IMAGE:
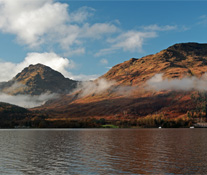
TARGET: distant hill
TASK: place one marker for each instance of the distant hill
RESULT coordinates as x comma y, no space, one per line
7,108
175,62
38,79
11,114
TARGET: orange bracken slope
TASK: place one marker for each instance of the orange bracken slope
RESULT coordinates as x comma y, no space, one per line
132,99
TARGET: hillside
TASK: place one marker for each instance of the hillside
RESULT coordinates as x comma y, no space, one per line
10,115
38,79
177,61
8,108
129,97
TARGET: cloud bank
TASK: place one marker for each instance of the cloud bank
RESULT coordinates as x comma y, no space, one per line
186,84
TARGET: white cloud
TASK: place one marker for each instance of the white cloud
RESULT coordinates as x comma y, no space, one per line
105,51
128,41
97,30
81,14
155,27
51,23
104,61
38,22
189,83
203,20
82,77
132,40
31,20
51,59
74,36
78,51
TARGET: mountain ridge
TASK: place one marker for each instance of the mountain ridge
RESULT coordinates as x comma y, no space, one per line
176,62
126,96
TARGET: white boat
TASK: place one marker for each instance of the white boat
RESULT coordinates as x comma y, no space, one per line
192,127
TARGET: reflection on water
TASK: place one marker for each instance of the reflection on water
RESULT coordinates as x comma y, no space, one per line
103,151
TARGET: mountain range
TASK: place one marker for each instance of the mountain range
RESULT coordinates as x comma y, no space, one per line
130,96
158,84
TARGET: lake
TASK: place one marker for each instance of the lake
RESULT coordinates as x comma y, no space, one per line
103,151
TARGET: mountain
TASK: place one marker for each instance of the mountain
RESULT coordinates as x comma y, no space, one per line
38,79
177,61
129,98
123,94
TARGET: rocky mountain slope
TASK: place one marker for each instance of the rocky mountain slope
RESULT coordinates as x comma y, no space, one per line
177,61
129,97
123,93
38,79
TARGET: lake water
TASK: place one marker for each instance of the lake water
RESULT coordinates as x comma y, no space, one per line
103,151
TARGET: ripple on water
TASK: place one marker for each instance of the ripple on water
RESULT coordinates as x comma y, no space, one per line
121,151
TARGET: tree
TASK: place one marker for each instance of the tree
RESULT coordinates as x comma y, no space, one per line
200,100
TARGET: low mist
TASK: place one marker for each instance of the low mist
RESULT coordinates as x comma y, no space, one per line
100,85
15,86
94,87
27,101
189,83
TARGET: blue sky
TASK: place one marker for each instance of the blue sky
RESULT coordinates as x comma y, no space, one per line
83,39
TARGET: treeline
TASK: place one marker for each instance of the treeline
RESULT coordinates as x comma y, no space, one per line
155,122
164,122
42,121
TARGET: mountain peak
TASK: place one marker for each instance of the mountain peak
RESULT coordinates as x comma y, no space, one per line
37,70
189,48
184,45
37,79
38,64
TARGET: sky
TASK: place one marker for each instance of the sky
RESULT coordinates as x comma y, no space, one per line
84,39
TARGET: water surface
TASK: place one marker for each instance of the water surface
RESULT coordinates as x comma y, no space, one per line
103,151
